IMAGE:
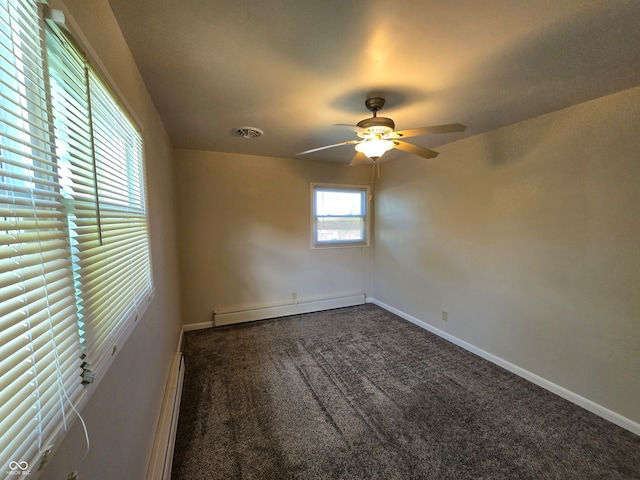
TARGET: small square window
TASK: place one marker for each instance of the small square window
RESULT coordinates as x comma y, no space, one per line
339,216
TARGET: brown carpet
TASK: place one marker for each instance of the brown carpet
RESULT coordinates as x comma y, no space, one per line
358,393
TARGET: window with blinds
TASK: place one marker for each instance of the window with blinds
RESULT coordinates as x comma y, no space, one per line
74,251
102,181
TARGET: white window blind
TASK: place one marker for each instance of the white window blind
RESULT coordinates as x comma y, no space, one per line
102,174
40,362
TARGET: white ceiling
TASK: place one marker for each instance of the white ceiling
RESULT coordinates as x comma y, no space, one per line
294,68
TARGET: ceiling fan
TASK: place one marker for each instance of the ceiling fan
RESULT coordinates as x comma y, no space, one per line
378,136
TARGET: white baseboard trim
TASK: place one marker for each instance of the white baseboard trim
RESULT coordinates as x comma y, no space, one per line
197,326
585,403
191,326
164,441
274,310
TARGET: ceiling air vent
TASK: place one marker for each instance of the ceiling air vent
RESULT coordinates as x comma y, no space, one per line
248,132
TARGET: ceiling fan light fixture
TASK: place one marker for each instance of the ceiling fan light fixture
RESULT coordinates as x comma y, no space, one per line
374,149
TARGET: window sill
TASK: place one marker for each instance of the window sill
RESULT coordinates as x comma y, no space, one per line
326,246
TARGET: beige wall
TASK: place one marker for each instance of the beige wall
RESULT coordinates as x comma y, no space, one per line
529,237
244,233
123,411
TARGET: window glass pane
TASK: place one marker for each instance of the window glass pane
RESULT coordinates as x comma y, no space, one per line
340,229
330,202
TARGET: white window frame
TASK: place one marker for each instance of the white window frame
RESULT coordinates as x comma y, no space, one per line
364,191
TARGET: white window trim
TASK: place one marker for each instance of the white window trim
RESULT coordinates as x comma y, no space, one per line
367,216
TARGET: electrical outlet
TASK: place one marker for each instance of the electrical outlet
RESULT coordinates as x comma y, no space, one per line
294,295
445,315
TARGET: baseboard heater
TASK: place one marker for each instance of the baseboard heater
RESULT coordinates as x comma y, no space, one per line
162,453
282,309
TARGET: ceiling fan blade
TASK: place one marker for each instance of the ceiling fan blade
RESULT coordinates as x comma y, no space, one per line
415,149
350,142
414,132
354,128
360,159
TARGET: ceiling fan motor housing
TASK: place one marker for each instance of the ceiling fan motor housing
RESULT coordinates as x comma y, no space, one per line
377,125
